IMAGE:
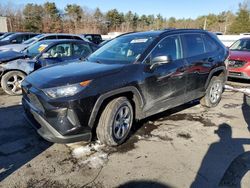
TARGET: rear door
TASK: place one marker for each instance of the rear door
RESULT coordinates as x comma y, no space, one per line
199,64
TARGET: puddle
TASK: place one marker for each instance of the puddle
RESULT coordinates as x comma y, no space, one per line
184,135
190,117
231,105
34,183
221,115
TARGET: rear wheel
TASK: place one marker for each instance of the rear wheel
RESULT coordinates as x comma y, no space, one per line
115,122
11,82
213,92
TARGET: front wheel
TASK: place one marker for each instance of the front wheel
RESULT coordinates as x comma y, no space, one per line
11,82
213,92
115,122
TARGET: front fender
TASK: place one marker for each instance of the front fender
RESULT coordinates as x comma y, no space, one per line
22,65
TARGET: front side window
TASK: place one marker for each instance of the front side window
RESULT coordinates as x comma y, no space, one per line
169,46
194,45
241,45
122,50
60,50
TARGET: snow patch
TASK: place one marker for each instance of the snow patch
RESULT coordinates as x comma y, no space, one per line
92,155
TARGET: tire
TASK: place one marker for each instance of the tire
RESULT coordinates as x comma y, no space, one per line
115,122
213,93
11,82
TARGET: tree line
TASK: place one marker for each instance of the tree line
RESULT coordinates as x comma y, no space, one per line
47,18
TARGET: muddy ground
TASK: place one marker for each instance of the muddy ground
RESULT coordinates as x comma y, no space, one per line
188,146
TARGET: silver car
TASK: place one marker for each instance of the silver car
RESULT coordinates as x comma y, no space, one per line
31,41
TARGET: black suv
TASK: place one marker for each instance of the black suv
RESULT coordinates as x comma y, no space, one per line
131,77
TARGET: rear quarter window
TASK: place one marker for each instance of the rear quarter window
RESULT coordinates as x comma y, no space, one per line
210,44
194,44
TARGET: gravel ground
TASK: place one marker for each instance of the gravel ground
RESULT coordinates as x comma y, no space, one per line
188,146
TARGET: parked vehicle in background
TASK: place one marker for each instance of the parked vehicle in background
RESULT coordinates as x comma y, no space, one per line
5,35
95,38
39,55
2,33
49,36
131,77
16,38
239,59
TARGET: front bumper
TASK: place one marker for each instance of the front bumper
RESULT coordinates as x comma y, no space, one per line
236,74
48,131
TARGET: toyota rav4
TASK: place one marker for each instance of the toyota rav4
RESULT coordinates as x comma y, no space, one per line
132,77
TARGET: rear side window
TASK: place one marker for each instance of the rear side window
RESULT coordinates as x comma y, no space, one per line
76,38
194,44
210,44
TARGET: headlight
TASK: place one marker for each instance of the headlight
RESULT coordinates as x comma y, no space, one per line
66,91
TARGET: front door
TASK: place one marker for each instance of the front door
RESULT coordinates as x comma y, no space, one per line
165,85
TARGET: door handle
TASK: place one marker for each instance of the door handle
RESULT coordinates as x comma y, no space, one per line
210,59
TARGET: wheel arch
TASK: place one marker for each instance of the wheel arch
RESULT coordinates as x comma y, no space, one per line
130,92
9,70
218,71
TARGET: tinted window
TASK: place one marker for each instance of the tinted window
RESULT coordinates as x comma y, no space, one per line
194,44
210,44
64,37
81,50
170,46
21,38
50,37
76,38
60,50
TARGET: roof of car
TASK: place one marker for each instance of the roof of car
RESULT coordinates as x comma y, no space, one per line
61,40
61,34
160,32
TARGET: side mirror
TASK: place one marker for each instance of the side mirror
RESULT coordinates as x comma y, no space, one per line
45,55
159,60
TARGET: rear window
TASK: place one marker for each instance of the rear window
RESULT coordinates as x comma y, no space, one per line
194,44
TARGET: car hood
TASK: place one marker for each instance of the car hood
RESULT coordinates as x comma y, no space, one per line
70,73
13,47
6,56
239,55
4,42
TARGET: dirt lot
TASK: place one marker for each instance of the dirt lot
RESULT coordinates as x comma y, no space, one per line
188,146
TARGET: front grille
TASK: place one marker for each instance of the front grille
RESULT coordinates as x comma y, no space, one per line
235,74
236,63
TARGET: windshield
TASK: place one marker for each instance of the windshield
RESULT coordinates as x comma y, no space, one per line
33,39
8,37
36,48
241,45
123,50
